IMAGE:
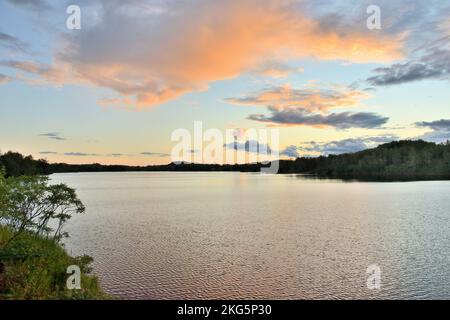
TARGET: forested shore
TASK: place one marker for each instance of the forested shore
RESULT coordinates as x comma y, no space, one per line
398,160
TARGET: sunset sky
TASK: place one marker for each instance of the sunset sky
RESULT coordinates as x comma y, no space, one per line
115,90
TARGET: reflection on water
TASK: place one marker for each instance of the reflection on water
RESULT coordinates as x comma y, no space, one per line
240,235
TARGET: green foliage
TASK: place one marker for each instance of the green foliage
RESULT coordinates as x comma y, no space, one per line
30,204
32,262
36,269
16,164
399,160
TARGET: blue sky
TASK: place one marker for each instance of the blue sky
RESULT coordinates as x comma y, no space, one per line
138,70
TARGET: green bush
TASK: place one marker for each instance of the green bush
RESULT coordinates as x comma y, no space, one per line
33,262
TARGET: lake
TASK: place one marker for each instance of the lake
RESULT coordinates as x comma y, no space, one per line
251,236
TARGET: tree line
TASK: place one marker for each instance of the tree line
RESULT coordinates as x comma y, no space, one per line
398,160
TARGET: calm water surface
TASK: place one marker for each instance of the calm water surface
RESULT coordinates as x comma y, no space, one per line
240,235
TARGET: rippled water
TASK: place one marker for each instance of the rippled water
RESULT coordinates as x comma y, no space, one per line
240,235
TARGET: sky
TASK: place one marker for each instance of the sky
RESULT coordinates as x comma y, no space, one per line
114,90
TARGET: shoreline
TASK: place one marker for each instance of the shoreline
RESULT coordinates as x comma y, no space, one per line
310,176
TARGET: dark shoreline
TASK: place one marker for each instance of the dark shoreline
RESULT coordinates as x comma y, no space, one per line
404,160
310,176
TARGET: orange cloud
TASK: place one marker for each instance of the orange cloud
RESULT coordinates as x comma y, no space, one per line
311,98
159,57
274,69
46,73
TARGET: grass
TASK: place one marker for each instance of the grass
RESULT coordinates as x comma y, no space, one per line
35,268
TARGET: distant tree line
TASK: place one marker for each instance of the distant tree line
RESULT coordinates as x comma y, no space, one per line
16,164
399,160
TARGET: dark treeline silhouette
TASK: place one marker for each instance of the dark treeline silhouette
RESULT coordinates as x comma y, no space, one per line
96,167
16,164
400,160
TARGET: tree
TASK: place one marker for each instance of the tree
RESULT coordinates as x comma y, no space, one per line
30,204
